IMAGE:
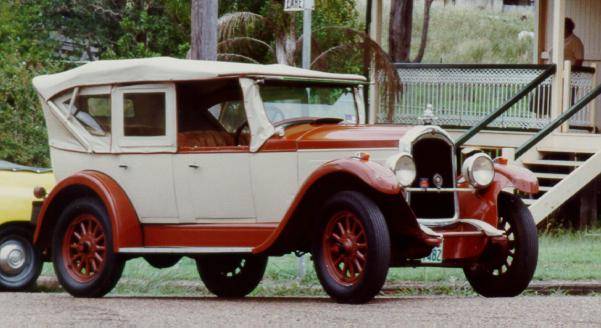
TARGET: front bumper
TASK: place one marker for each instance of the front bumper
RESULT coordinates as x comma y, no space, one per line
464,241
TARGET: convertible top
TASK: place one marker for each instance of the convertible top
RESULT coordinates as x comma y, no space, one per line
8,166
163,69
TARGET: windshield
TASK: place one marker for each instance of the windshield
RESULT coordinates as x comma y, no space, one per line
289,102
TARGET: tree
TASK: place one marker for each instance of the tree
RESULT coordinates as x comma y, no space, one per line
401,30
204,29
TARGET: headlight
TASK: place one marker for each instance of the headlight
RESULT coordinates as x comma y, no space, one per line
403,167
478,170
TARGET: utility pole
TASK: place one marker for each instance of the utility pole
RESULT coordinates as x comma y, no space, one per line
307,7
307,17
203,39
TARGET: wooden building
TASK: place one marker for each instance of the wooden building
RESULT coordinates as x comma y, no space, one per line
546,115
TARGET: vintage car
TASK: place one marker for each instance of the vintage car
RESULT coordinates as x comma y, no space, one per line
22,189
231,163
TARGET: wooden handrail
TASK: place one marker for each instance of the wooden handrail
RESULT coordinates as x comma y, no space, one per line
558,121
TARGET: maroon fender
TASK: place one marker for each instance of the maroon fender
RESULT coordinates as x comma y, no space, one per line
371,173
516,176
126,228
483,205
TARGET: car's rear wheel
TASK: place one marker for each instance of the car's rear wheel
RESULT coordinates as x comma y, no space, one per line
507,273
82,250
160,261
231,275
20,263
352,250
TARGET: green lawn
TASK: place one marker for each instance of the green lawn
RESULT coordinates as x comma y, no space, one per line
565,256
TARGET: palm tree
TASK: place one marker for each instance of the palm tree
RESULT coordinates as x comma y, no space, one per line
244,30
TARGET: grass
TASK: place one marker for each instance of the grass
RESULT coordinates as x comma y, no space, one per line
563,256
469,35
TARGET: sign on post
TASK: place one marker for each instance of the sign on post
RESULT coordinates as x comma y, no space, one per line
298,5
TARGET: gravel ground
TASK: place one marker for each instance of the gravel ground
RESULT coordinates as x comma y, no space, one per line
61,310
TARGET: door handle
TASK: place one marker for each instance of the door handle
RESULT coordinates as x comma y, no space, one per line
194,166
123,166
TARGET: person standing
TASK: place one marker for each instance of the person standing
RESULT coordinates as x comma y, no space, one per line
574,48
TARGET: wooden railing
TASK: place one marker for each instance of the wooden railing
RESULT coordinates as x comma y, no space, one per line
463,95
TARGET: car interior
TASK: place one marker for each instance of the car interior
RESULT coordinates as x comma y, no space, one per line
211,114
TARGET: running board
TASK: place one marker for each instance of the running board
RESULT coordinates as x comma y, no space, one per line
184,250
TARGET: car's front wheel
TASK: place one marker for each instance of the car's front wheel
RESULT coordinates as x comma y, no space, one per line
506,273
231,275
84,260
352,249
20,263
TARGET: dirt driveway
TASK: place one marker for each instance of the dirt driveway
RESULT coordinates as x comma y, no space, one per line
53,310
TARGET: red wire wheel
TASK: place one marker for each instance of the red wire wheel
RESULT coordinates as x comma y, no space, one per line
84,248
345,247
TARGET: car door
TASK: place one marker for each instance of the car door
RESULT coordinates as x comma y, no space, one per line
144,141
211,169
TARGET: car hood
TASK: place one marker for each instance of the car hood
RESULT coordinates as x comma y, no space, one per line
323,136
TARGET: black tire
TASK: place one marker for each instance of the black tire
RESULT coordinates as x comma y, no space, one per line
162,261
77,282
20,261
354,277
231,275
507,274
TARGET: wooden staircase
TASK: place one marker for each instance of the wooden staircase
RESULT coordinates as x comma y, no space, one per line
561,174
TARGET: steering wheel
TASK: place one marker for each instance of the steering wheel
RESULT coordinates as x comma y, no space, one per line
239,132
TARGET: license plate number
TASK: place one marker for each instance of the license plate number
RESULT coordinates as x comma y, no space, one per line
435,256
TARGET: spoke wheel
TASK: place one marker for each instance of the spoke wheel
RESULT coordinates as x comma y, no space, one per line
345,247
84,247
351,249
500,265
506,272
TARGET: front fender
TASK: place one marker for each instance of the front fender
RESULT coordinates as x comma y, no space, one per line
508,175
125,225
371,173
483,204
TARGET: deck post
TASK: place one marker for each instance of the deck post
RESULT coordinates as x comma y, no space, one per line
588,205
567,93
593,111
558,56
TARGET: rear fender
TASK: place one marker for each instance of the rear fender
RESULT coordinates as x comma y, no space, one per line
125,225
483,204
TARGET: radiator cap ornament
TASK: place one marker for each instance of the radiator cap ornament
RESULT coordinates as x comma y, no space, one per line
427,117
437,180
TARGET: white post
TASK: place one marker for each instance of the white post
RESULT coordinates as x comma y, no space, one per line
558,56
307,17
567,92
374,88
593,108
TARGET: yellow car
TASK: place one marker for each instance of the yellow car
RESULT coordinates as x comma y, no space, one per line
20,261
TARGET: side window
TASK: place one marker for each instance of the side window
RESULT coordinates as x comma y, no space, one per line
211,114
230,115
144,114
94,113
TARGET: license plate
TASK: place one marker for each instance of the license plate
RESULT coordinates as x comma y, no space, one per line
435,256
